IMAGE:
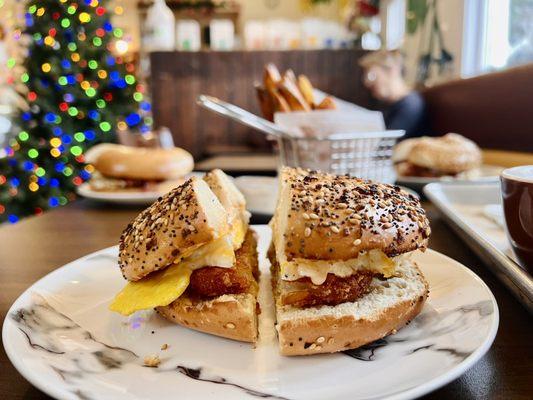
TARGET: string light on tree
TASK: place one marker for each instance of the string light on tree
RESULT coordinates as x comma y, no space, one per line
122,47
78,94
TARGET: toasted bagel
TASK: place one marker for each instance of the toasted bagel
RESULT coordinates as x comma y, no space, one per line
182,220
140,163
449,154
325,217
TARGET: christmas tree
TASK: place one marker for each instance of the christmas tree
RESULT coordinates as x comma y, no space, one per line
78,94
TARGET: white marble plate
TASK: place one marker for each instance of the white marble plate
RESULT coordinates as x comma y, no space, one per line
261,193
61,337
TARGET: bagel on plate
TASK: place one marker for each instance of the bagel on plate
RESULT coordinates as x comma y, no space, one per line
342,275
448,155
126,168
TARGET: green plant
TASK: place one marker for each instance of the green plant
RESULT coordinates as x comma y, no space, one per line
422,15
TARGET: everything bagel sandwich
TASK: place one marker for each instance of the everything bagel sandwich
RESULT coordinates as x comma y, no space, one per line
341,271
192,257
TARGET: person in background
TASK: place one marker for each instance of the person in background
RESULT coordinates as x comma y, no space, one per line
384,77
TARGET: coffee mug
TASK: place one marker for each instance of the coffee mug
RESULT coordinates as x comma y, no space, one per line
517,194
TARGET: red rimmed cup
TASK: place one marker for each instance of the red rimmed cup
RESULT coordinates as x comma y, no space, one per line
517,194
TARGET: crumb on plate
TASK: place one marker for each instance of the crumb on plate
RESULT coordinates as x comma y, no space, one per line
152,361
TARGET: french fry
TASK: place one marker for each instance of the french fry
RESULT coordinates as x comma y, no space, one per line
305,86
327,104
266,102
271,76
280,104
285,93
294,97
290,76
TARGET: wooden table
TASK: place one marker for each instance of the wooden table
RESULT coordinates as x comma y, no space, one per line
38,245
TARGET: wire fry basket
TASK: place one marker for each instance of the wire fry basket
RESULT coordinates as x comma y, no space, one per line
365,155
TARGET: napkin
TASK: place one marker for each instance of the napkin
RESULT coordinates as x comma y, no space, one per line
346,119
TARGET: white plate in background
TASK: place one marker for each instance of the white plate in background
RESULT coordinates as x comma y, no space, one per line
486,174
260,192
70,346
132,197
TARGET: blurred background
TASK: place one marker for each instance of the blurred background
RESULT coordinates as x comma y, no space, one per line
77,73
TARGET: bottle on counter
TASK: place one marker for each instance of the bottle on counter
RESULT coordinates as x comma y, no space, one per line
159,32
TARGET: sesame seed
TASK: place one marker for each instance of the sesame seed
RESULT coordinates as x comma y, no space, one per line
307,232
314,216
305,216
357,242
321,339
313,346
335,229
230,325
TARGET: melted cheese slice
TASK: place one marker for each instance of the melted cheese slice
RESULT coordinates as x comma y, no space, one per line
163,287
318,270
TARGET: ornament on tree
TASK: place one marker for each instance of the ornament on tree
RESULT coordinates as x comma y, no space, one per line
78,94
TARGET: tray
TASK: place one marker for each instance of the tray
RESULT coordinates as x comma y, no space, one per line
464,208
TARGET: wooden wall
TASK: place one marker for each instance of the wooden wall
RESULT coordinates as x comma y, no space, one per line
179,77
494,110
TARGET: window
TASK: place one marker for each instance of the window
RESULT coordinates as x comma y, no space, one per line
497,34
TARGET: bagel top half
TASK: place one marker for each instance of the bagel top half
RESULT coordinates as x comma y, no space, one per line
326,217
179,222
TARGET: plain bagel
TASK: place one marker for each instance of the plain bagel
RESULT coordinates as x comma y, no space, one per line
450,154
140,163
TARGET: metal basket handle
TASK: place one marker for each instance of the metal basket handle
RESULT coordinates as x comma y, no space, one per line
242,116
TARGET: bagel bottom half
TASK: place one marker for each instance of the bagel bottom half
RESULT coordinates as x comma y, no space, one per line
390,305
232,316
